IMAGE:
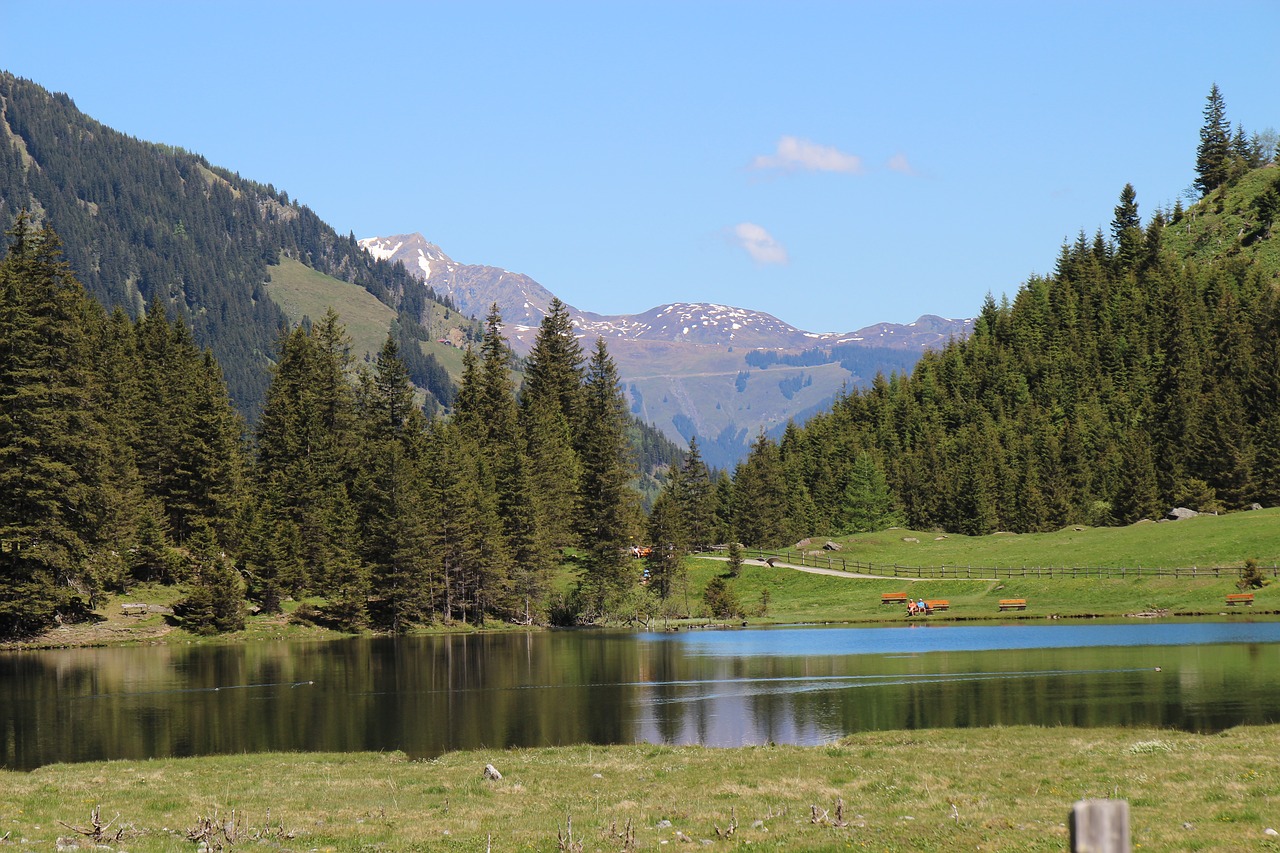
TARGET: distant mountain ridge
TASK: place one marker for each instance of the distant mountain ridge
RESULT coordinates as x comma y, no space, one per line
717,372
524,302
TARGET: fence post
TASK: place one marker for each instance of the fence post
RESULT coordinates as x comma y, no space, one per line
1100,826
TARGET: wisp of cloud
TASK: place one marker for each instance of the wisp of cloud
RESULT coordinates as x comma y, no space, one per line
759,244
794,153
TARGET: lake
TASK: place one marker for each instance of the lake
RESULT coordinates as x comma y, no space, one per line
801,685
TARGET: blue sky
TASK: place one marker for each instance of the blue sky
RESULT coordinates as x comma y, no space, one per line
833,164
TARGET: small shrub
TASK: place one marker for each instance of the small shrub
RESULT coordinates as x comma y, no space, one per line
720,601
1251,575
306,613
735,559
566,609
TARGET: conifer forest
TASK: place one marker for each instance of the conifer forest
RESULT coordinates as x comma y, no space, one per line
265,462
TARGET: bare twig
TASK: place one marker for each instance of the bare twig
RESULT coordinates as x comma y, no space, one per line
733,824
98,829
565,841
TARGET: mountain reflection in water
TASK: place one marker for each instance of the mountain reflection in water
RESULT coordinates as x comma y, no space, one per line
427,695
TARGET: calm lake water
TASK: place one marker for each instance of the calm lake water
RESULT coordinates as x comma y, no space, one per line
427,695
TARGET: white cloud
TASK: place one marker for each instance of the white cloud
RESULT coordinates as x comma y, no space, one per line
759,244
899,163
794,153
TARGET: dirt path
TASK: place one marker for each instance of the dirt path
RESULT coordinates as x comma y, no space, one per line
835,573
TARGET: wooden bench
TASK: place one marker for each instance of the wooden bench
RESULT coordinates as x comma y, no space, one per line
893,598
1235,598
1013,604
933,604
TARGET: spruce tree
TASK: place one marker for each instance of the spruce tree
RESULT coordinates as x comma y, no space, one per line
868,503
760,496
551,418
695,498
307,441
394,533
1126,230
1213,155
554,468
215,602
53,446
469,563
555,368
189,451
668,543
608,509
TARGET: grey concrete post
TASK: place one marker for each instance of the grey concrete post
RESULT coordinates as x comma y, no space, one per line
1100,826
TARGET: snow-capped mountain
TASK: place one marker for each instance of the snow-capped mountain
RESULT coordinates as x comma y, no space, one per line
691,369
474,288
524,302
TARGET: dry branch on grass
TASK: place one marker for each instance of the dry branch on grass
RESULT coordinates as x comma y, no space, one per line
565,839
733,824
823,816
627,836
97,830
214,832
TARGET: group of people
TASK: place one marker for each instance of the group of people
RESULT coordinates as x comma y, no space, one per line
917,608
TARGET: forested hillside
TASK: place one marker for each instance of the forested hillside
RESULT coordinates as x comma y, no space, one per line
122,462
1144,373
143,223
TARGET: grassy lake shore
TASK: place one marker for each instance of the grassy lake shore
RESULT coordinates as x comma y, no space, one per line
986,789
789,596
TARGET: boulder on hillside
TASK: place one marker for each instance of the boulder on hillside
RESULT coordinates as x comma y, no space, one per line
1180,512
1255,506
832,546
805,543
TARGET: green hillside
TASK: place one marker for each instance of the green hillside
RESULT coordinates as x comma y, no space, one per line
144,223
1226,225
1140,375
302,292
1206,540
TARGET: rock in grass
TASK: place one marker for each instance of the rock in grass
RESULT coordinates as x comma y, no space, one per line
491,772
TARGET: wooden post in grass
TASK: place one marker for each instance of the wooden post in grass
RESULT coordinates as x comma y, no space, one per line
1100,826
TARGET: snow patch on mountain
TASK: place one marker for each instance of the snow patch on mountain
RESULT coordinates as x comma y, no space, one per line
523,303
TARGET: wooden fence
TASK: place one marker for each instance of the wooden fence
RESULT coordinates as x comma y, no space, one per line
833,561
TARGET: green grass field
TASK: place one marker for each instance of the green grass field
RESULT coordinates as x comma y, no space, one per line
1001,789
301,291
1225,540
1205,542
